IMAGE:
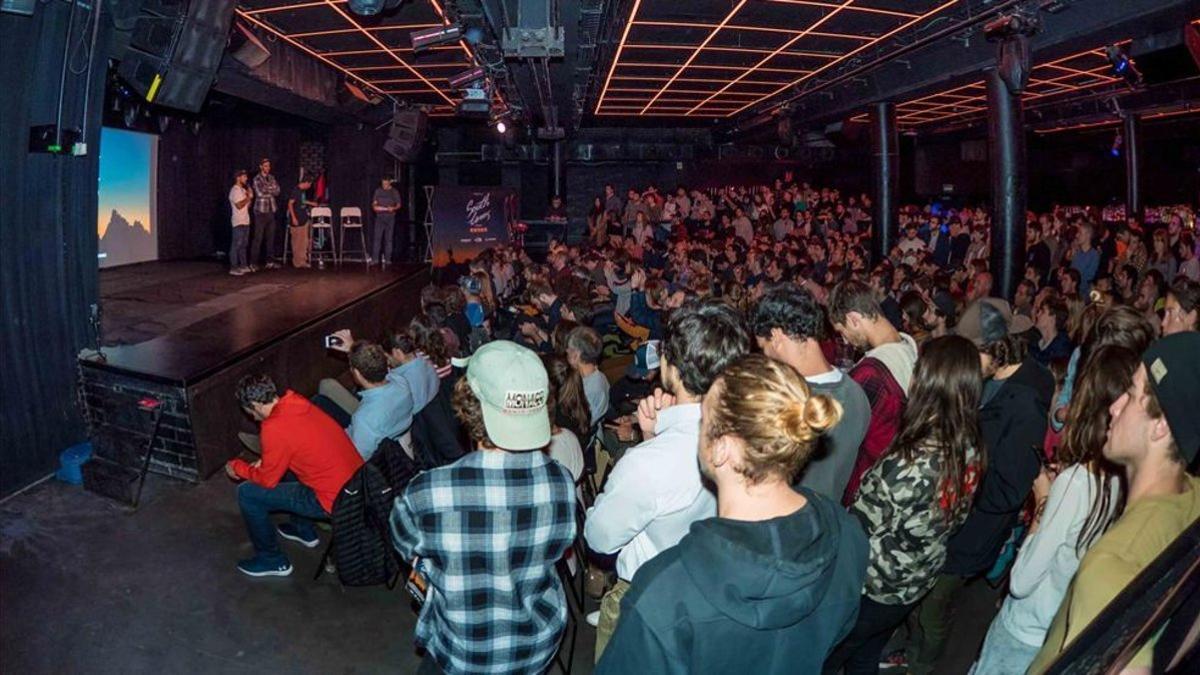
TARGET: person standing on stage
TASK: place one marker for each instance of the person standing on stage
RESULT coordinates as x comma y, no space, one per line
266,189
385,203
240,196
297,206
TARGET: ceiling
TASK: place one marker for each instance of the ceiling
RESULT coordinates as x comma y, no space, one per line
716,58
374,52
1074,75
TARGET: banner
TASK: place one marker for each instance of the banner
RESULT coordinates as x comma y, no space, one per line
467,220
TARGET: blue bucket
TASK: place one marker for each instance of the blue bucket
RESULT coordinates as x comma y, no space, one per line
71,461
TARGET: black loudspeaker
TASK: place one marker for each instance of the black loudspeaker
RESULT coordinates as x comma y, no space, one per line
407,135
175,50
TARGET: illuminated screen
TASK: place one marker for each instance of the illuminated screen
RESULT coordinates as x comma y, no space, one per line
125,221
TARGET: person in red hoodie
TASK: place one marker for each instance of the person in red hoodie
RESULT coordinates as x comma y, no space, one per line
299,438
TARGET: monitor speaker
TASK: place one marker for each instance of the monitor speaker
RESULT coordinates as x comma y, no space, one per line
246,48
175,50
407,135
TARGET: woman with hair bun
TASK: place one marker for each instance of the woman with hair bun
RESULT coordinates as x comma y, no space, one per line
771,583
916,496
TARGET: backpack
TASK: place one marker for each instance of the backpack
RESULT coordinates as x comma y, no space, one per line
362,546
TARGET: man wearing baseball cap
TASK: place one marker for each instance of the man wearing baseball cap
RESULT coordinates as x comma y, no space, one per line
486,531
1154,434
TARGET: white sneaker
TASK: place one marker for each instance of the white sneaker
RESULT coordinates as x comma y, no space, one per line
593,618
236,272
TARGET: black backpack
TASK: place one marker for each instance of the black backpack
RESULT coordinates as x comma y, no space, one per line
362,546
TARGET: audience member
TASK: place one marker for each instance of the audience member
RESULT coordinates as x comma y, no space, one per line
1153,436
583,352
486,531
915,497
306,459
654,493
788,325
771,583
1181,311
884,372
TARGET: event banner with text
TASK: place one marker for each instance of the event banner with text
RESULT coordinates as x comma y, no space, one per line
467,220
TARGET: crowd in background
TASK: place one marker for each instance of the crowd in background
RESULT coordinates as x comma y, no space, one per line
776,455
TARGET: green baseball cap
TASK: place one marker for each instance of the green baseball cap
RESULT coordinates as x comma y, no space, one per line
512,387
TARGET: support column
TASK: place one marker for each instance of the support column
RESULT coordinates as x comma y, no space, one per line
885,161
1131,136
1006,150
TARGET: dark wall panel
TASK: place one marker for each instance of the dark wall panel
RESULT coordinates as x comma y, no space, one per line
48,266
195,172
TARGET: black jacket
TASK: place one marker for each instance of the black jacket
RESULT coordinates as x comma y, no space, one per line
1013,425
741,597
362,547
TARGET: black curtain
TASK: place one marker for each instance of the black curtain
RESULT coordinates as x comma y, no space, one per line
195,171
48,266
355,161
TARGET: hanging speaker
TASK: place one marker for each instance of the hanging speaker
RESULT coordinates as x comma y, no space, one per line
175,50
407,135
246,48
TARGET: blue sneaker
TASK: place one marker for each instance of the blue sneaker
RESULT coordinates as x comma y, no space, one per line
289,531
262,567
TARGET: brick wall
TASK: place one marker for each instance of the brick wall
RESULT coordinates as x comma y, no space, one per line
120,430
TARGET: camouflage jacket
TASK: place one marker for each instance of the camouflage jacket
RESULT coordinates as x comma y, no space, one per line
908,517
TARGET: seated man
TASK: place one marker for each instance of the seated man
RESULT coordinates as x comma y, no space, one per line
297,437
584,348
773,581
385,409
487,530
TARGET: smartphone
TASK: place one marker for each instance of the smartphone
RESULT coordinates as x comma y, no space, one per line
332,341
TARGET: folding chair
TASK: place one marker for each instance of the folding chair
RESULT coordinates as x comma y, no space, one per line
350,218
321,218
576,596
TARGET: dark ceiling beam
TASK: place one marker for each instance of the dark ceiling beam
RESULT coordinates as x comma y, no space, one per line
1082,25
1075,110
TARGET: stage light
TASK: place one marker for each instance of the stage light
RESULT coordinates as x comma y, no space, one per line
433,37
1123,66
467,78
1115,150
501,126
372,7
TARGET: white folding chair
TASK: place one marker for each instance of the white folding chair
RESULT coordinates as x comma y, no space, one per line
321,218
350,218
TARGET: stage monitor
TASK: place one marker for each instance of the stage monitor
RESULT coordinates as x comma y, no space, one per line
126,219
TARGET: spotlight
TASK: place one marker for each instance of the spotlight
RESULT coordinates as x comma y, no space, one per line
1115,150
1010,26
432,37
501,126
466,78
1123,66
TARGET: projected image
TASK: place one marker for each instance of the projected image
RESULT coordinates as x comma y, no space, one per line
125,219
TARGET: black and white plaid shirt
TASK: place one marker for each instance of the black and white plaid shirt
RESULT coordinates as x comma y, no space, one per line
266,189
488,530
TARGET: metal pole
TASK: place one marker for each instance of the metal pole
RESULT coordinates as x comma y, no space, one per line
1133,160
1006,149
885,160
558,167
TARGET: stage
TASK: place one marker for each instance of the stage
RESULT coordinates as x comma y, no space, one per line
183,333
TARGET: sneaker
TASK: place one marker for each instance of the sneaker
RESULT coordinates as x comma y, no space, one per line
272,266
261,567
236,272
593,618
370,261
289,531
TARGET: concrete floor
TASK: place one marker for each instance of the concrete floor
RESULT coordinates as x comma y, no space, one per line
88,586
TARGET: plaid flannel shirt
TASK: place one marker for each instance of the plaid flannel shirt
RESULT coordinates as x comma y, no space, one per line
266,189
488,530
887,399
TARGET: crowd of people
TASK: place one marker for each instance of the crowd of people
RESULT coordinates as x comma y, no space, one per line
778,456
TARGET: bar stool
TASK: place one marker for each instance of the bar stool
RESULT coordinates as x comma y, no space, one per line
321,218
351,219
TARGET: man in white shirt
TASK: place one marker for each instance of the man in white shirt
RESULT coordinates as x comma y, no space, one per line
654,493
240,196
